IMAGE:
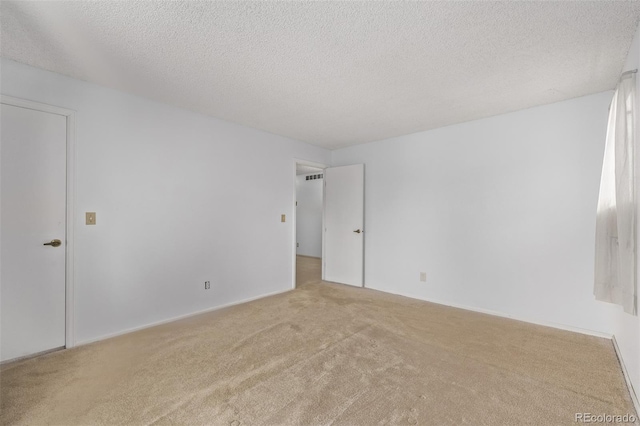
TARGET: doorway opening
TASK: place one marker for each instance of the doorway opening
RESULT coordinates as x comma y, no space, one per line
308,223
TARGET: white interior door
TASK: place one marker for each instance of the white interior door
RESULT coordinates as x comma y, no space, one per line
343,222
33,200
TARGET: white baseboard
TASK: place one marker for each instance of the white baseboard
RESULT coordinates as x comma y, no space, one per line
627,378
25,357
505,315
165,321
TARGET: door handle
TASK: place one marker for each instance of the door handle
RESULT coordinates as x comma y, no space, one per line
357,231
53,243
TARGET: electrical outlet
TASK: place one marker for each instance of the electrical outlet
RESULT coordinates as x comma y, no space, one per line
423,277
207,285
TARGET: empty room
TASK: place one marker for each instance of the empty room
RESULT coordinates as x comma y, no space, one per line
319,212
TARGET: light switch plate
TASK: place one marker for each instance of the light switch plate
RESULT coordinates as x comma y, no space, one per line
90,218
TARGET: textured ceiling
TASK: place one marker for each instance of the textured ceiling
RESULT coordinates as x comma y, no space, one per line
331,73
301,169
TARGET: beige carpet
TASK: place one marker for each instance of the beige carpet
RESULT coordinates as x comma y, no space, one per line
323,354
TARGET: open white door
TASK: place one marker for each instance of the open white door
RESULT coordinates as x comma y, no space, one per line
343,224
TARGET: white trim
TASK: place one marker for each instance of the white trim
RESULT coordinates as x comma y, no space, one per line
70,204
70,332
625,373
297,161
179,317
37,354
36,106
505,315
324,229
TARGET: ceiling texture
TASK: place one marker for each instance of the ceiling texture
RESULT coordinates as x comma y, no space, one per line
301,169
332,74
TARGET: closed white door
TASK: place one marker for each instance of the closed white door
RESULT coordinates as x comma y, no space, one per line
344,220
33,209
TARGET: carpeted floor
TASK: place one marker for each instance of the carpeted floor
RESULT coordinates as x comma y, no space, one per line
322,354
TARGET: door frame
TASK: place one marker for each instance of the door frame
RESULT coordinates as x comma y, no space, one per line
70,116
322,166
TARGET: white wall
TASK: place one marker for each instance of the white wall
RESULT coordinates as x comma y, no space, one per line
180,198
499,212
626,327
309,216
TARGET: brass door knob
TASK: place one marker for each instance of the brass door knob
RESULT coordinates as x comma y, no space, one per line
357,231
53,243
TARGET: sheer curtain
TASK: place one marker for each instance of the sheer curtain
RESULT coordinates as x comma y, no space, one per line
615,266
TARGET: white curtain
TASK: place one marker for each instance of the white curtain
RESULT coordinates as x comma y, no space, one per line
615,266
